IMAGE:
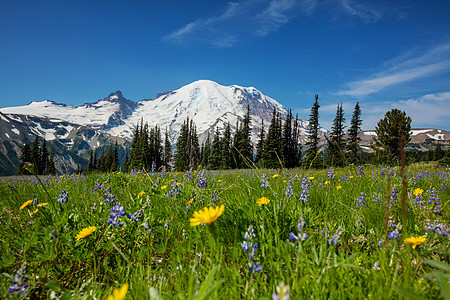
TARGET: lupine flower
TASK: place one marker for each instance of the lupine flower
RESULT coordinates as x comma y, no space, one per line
289,189
85,232
53,234
20,281
282,292
305,190
202,179
330,174
250,247
63,197
334,239
360,171
393,234
135,216
119,294
263,200
301,235
207,215
35,201
436,226
109,198
264,181
116,212
361,200
214,197
254,267
415,241
148,227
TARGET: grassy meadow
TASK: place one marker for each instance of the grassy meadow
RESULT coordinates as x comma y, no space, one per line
317,234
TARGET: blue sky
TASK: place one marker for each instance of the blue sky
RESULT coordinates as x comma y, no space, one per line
384,54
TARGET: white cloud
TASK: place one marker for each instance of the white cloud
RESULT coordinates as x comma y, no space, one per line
259,18
405,68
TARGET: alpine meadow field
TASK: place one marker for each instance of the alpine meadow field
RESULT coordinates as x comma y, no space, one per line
344,233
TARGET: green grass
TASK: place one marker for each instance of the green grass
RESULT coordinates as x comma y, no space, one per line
208,261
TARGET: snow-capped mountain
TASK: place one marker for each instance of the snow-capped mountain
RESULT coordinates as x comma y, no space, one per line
207,103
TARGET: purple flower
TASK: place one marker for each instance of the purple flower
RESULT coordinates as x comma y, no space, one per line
63,197
19,283
264,181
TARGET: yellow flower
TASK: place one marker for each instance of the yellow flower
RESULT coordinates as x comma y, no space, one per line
85,232
42,204
219,181
275,175
141,193
339,187
327,182
26,203
190,201
418,191
119,294
415,241
310,178
163,187
263,200
33,212
351,176
178,183
207,215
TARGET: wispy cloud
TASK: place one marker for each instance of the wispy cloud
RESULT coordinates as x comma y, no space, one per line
408,67
259,18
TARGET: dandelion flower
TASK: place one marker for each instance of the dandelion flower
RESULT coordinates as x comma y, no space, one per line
219,181
190,201
339,187
327,182
85,232
207,215
275,175
119,294
311,178
141,194
263,200
25,204
163,187
418,191
42,204
415,241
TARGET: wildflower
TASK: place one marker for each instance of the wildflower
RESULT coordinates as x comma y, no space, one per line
202,180
207,215
393,234
282,292
264,181
190,201
375,266
163,187
360,171
214,197
250,247
85,232
19,282
109,198
33,212
219,181
135,216
351,177
339,187
116,212
275,175
327,182
53,234
415,241
289,189
141,194
331,173
302,235
42,204
63,197
263,200
254,267
334,239
310,178
418,191
119,294
305,190
26,203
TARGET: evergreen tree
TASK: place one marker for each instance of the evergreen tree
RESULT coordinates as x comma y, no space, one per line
183,148
25,158
43,159
296,145
214,157
353,139
260,145
167,149
90,166
438,153
206,151
226,156
36,155
395,125
273,143
51,164
193,147
242,146
312,153
115,159
335,149
126,163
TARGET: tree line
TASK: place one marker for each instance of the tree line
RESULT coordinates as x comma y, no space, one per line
35,159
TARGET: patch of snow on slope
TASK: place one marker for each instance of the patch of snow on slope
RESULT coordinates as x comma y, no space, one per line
369,133
16,131
416,132
438,136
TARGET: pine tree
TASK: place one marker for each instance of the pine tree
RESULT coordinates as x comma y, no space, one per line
35,155
90,166
126,163
43,160
312,153
260,145
216,149
181,155
353,139
271,155
51,164
206,151
242,146
226,156
167,149
394,127
335,149
25,158
193,147
115,159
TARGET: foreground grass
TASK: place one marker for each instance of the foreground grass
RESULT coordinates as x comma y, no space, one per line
343,250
